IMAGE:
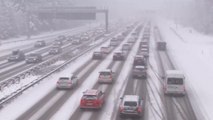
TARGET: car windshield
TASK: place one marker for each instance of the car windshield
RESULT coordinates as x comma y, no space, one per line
175,81
130,103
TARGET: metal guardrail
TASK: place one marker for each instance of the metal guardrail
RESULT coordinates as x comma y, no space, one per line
16,79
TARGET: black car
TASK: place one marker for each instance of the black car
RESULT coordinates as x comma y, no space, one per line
55,50
97,55
61,37
58,43
40,43
139,71
33,58
140,60
118,56
17,55
76,42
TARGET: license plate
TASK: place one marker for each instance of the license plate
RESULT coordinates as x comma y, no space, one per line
89,103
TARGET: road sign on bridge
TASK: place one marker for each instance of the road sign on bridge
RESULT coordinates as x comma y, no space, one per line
72,13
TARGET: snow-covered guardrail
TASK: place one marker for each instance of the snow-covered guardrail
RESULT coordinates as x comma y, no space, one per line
16,79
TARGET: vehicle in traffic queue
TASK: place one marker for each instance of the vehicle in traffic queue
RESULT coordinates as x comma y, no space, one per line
131,106
97,55
114,42
33,58
92,98
61,37
126,47
17,55
119,55
105,50
57,43
144,47
139,71
140,60
106,76
55,50
76,42
174,83
131,40
67,81
144,54
144,42
40,43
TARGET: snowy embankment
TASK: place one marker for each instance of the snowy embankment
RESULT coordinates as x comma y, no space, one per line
33,95
19,43
192,53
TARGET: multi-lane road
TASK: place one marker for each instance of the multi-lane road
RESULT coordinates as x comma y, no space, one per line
52,104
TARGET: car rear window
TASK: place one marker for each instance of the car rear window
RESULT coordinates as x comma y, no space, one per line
138,58
104,73
64,78
130,103
138,68
177,81
97,53
89,97
118,53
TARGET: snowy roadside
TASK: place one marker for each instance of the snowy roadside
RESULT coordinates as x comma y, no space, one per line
46,34
44,87
192,53
26,44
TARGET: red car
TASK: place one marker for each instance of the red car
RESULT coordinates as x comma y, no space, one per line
92,99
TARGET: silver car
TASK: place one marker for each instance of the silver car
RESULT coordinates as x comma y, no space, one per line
139,71
67,82
131,106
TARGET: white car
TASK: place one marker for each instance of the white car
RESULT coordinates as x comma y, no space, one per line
126,47
105,50
131,106
67,81
106,76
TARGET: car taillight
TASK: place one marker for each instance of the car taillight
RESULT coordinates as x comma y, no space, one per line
110,77
139,109
83,101
164,87
121,108
97,102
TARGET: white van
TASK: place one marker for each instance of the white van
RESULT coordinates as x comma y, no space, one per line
174,83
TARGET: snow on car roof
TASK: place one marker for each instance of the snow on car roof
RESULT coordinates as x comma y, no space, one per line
91,92
97,52
131,97
139,66
139,56
67,75
174,73
106,70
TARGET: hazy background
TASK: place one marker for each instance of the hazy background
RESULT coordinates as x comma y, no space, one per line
192,13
